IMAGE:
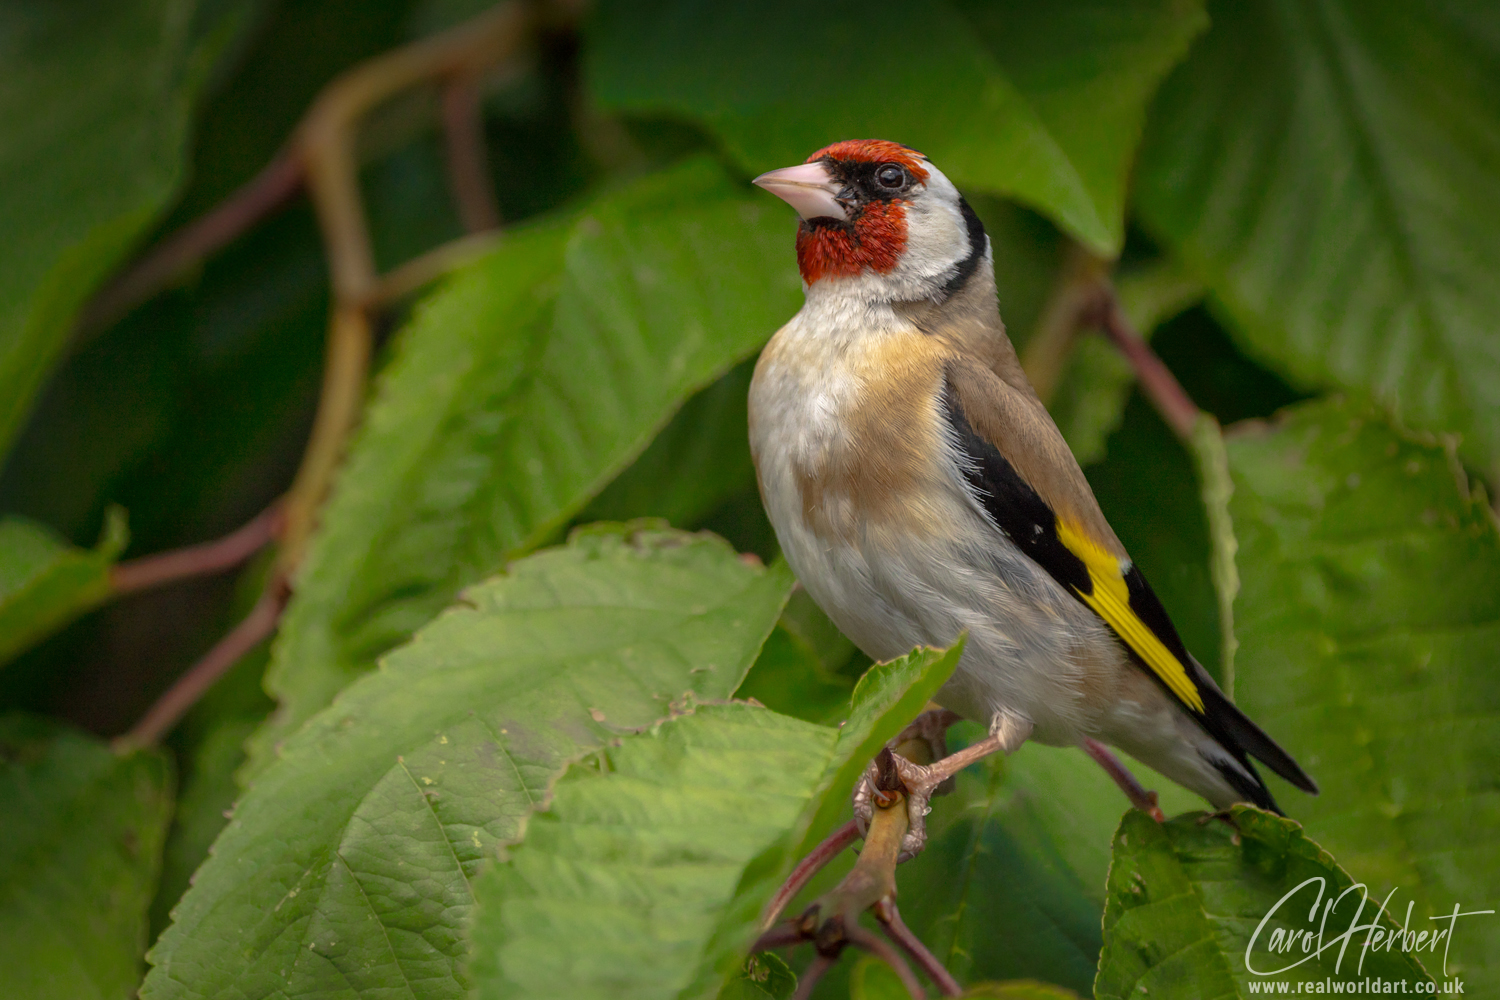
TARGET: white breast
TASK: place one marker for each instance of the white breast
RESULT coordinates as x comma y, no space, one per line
921,580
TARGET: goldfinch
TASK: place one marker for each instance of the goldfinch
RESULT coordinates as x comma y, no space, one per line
920,490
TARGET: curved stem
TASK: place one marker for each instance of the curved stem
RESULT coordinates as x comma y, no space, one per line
1075,296
865,941
198,560
348,359
184,694
468,162
896,929
1157,380
815,971
268,190
831,847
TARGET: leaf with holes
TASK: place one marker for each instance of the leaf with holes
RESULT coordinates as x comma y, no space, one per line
517,392
1368,618
1349,221
1043,102
347,864
79,851
648,874
1202,909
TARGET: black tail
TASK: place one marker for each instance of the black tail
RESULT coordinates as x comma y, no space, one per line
1238,735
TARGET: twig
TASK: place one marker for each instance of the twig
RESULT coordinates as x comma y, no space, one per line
468,164
272,187
348,360
399,282
198,560
185,692
1134,791
831,847
326,141
1156,379
896,929
814,973
865,941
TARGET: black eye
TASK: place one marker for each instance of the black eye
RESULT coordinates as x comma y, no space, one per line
891,176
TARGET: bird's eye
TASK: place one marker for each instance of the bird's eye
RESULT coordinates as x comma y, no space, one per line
891,176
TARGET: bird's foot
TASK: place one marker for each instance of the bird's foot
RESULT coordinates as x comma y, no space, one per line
920,782
1139,797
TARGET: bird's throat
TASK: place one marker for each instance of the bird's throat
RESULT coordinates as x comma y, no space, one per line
873,241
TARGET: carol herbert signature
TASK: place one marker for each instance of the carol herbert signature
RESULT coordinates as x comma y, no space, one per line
1313,940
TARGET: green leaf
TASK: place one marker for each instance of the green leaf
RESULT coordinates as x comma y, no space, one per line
788,678
1044,103
1089,404
619,887
1012,881
764,977
1368,619
46,583
96,98
516,394
649,873
1341,202
1187,915
347,863
79,850
203,809
698,461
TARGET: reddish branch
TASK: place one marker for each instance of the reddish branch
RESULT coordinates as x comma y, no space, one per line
816,860
1157,380
267,191
468,162
184,694
198,560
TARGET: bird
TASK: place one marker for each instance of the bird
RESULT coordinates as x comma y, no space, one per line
920,491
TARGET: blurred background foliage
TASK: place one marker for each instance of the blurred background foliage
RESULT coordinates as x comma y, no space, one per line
1298,201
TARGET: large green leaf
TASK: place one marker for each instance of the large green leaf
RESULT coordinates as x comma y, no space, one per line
1368,620
697,462
1331,169
618,888
1043,102
80,843
517,392
648,875
45,582
1199,909
96,98
346,866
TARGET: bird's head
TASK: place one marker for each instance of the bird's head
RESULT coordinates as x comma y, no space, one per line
879,216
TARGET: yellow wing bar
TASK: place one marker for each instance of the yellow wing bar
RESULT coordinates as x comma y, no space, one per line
1111,601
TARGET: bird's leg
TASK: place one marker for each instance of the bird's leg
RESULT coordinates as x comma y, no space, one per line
1007,732
1140,798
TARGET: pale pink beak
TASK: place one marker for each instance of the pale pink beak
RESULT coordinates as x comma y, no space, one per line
807,187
